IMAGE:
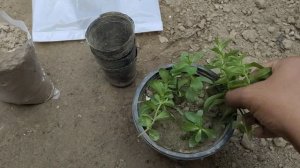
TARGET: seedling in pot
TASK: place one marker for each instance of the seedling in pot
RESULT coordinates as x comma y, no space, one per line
194,124
233,73
182,87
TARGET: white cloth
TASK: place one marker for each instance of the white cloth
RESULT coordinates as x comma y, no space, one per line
62,20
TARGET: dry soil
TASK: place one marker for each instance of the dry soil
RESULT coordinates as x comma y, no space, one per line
91,125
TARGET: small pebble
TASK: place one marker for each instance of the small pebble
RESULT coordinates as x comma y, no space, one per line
287,44
181,28
263,142
271,29
279,142
261,4
162,39
250,35
291,20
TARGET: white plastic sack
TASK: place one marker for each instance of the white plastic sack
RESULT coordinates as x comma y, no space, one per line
61,20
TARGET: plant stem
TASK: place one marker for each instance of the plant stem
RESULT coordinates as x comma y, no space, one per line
245,73
153,121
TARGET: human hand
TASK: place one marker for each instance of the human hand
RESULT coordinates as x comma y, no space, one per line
275,102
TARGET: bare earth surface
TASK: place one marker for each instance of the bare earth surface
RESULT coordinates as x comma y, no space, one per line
91,126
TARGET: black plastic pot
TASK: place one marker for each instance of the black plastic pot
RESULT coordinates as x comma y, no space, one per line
119,63
172,154
112,41
111,36
121,77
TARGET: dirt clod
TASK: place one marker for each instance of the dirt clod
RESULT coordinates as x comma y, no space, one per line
291,20
261,4
162,39
263,142
287,44
250,35
279,142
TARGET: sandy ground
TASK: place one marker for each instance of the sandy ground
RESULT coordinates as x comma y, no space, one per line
91,126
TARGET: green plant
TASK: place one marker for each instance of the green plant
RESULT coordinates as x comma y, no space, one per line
233,73
194,124
182,83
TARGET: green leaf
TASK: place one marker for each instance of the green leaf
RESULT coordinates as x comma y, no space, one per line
198,136
191,95
255,65
209,133
157,86
145,108
173,83
222,80
154,103
157,97
196,83
178,68
153,134
190,70
209,102
165,75
189,127
217,51
206,80
169,103
233,54
170,95
184,55
182,82
163,115
215,103
260,74
192,142
194,118
145,121
234,70
222,44
237,84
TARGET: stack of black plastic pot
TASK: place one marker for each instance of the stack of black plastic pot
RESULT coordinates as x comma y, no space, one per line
112,41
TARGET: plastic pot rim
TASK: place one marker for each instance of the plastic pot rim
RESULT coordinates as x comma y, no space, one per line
98,20
228,132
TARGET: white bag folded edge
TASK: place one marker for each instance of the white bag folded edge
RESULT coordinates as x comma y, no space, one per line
51,26
54,36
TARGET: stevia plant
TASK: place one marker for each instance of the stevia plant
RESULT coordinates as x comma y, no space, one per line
233,73
182,83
